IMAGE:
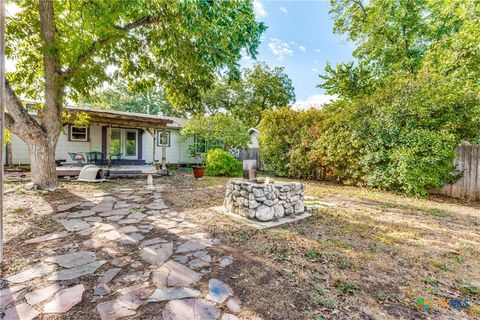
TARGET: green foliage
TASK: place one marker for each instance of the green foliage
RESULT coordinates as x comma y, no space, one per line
219,130
222,163
179,44
260,88
403,107
401,137
285,142
121,97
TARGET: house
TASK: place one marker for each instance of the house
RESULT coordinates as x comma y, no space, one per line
123,138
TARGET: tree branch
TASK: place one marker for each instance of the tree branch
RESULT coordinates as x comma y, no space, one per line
17,119
98,44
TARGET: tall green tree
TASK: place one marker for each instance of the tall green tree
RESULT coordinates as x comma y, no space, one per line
260,88
121,97
63,48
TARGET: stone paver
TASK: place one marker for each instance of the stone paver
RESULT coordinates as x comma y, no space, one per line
92,244
65,207
174,274
118,228
72,260
109,275
193,245
39,295
77,272
8,295
65,299
110,310
165,294
157,254
225,261
47,237
234,304
189,309
111,235
81,214
21,311
218,291
39,270
74,224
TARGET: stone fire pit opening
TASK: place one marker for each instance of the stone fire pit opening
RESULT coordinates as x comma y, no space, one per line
264,201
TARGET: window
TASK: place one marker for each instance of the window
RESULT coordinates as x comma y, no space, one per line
160,138
78,133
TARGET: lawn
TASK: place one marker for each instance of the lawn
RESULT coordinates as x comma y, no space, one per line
364,255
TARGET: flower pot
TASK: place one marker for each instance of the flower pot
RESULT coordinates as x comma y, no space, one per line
158,166
198,172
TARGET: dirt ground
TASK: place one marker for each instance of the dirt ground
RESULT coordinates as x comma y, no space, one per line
364,255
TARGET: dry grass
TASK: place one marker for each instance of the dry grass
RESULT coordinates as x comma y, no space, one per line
371,256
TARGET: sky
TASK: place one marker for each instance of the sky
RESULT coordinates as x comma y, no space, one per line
300,38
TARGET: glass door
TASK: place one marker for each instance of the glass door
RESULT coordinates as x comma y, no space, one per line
131,144
116,142
124,142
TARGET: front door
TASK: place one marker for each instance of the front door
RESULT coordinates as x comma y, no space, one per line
124,141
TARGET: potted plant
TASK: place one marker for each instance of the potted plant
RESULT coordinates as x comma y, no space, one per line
199,168
158,165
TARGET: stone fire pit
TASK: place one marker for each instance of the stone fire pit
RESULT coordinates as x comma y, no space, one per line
264,202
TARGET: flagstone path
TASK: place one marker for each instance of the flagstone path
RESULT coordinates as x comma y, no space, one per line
136,250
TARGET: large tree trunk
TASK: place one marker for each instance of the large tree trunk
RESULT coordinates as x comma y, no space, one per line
42,163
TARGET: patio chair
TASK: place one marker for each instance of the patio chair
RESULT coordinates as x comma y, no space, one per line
94,157
78,157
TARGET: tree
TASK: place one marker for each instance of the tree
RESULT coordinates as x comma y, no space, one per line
260,88
219,130
63,48
122,98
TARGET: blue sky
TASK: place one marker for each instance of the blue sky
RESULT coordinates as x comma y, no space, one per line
300,38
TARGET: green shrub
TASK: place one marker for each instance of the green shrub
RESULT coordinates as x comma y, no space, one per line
222,163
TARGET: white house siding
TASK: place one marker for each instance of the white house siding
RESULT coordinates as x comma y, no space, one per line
20,150
177,152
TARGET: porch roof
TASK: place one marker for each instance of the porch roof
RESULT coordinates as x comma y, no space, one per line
123,119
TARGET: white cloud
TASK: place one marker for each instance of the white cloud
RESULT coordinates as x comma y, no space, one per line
284,10
317,50
315,70
279,48
302,48
315,61
316,101
259,9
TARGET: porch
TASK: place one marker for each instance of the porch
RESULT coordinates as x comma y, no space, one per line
115,138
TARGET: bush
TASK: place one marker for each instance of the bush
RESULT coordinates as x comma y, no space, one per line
222,163
401,137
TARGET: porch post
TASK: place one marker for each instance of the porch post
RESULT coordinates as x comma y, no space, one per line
109,143
164,148
154,136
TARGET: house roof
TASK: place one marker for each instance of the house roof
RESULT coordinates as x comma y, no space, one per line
121,118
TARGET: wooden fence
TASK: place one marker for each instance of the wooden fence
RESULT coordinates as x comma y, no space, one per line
251,154
467,163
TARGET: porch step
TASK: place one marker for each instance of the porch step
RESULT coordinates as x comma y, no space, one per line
127,162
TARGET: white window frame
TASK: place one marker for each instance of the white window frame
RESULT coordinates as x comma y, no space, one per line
159,140
78,140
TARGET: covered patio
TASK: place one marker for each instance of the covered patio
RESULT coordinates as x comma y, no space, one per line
119,137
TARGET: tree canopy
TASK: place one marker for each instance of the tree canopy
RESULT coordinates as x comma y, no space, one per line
122,98
260,88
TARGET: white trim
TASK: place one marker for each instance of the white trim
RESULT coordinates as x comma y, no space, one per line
78,140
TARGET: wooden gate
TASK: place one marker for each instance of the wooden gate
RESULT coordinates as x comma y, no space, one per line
467,163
